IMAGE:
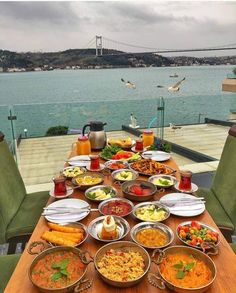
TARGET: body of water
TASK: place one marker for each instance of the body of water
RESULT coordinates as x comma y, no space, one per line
73,97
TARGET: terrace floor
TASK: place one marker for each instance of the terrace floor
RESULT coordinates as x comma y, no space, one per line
41,158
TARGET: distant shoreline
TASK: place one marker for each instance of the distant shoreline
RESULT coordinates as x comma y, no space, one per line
118,67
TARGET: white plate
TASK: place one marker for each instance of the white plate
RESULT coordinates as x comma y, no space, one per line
73,217
102,166
184,210
194,188
158,156
80,161
69,191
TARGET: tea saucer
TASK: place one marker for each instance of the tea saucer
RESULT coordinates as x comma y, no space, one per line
102,166
194,188
69,191
135,151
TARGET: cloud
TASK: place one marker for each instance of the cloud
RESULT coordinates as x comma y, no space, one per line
59,13
157,24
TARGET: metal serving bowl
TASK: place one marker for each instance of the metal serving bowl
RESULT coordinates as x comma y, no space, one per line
91,189
108,164
85,186
126,186
204,246
161,282
95,227
111,200
156,204
44,253
158,226
83,170
169,177
123,245
74,225
115,173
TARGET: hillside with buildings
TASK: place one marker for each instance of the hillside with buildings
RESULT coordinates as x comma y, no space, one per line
87,59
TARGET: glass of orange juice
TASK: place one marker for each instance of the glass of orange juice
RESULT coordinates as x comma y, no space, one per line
148,137
83,145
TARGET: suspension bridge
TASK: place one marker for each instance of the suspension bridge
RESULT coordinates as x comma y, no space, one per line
106,46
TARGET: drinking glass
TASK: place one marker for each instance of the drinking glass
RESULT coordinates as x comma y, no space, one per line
148,138
59,185
185,180
139,144
94,162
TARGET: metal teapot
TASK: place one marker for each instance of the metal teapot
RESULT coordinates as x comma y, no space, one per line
97,135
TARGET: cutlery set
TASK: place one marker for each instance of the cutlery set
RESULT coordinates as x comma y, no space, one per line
178,205
66,210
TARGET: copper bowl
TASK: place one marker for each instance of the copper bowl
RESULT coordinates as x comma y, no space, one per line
42,254
161,282
123,245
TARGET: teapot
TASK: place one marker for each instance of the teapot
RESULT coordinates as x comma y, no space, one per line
97,135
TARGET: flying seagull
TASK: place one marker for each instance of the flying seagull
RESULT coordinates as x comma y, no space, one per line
176,87
129,83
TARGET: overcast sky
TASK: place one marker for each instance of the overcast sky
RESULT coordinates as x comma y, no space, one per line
55,26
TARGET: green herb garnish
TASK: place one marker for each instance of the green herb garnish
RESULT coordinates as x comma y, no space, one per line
62,269
56,276
179,265
180,275
92,195
182,269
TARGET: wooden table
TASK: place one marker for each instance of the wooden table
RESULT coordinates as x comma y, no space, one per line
225,261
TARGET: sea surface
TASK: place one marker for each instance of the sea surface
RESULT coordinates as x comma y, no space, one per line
74,97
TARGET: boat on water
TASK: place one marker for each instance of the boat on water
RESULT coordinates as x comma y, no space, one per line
174,75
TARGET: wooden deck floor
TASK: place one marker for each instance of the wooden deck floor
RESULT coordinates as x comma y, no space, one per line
41,158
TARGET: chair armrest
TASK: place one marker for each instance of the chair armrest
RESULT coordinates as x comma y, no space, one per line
1,136
227,232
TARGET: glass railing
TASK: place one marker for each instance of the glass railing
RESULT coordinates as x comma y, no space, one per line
33,120
231,75
7,127
38,118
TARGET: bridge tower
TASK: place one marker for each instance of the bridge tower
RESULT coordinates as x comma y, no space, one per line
98,45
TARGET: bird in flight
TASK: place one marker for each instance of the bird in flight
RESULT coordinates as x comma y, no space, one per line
129,83
176,87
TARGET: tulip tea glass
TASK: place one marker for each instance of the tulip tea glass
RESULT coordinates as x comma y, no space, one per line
94,162
185,180
59,185
139,145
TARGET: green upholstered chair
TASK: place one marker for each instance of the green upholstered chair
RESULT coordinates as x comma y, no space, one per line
7,266
233,246
19,211
221,197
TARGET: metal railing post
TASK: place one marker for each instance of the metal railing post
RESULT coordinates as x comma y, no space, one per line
161,116
14,143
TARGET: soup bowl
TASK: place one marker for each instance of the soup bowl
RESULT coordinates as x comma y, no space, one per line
43,254
164,263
